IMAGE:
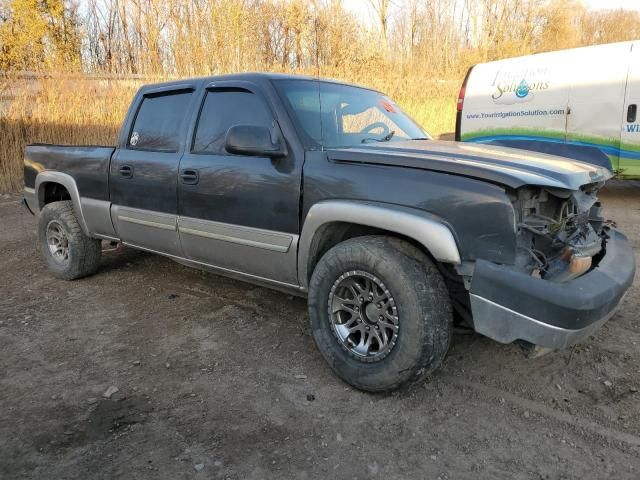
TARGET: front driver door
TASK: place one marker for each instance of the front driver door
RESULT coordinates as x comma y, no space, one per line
238,213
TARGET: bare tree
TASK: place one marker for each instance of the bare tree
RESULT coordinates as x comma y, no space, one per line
382,11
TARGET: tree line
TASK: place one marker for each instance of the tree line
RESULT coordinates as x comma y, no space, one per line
434,38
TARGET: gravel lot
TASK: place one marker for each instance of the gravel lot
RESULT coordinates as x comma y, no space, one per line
220,379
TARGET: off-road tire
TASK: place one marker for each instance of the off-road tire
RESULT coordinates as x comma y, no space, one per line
83,251
424,312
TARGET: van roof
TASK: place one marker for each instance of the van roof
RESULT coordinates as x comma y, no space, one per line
620,45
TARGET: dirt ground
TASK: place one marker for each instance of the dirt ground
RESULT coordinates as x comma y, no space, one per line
220,379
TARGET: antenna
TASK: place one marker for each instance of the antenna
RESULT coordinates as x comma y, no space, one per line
315,31
315,27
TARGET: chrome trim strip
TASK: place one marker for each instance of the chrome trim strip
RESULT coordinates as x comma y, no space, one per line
419,225
106,237
147,223
148,218
222,270
506,326
249,236
241,241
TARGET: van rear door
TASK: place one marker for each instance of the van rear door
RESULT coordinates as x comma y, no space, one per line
630,140
596,99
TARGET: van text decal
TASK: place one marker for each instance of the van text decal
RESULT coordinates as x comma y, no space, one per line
517,86
511,113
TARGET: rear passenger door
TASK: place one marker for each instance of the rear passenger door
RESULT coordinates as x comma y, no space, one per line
144,170
236,212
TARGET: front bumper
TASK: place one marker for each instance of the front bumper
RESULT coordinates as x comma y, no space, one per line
508,305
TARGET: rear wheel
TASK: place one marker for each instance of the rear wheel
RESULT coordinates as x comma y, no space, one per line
69,253
380,312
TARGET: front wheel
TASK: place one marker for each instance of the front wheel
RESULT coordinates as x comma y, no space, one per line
380,313
69,253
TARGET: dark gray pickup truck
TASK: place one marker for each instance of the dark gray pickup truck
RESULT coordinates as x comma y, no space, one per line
330,191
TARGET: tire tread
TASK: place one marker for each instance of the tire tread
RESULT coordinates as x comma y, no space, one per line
85,259
433,299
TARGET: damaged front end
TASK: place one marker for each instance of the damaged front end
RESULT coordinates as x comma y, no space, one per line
561,234
571,272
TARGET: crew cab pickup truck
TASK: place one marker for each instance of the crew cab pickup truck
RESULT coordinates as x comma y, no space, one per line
330,191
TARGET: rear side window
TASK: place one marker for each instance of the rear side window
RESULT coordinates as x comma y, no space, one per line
159,121
222,109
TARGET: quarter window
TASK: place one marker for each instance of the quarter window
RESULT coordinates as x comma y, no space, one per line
222,109
159,121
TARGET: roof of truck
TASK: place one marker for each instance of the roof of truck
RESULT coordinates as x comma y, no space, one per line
256,77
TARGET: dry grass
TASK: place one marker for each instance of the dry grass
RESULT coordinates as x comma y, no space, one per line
80,110
437,114
72,110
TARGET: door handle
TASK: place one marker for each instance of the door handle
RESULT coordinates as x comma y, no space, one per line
126,171
632,111
189,177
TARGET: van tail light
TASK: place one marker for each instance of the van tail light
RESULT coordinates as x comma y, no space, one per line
461,98
459,105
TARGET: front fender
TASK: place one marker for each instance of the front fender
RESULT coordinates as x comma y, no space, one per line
429,230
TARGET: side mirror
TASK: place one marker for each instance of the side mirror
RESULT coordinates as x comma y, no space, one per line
252,140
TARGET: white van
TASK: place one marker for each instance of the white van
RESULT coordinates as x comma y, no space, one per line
580,103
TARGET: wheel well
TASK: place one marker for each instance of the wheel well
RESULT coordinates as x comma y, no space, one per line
331,234
52,192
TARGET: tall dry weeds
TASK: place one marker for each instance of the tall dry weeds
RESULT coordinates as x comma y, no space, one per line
78,110
407,48
66,110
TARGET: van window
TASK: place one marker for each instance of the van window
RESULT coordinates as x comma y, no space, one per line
222,109
158,122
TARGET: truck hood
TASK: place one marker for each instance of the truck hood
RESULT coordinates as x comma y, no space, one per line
507,166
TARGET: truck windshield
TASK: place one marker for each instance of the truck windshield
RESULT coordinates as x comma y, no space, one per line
335,115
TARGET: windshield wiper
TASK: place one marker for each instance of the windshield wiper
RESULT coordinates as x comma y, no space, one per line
386,138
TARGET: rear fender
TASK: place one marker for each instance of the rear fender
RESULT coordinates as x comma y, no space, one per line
67,182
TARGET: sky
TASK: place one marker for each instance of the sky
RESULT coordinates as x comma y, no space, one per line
607,4
363,6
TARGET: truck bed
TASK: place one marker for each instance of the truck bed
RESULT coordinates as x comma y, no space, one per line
87,164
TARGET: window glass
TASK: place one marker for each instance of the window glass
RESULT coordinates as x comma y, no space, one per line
222,109
337,115
371,118
158,122
304,99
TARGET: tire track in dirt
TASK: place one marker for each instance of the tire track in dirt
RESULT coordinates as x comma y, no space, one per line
549,412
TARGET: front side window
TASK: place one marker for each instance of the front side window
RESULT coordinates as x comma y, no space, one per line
224,108
158,122
336,115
